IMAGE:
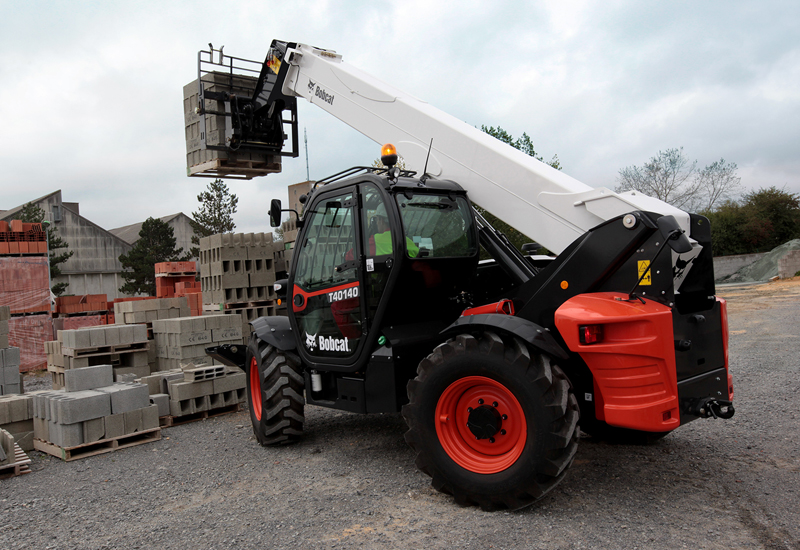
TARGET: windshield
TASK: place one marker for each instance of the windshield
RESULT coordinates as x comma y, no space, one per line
440,226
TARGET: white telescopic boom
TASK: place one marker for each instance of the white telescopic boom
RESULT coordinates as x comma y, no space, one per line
534,198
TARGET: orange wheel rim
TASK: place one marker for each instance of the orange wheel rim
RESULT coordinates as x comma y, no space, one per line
485,455
255,388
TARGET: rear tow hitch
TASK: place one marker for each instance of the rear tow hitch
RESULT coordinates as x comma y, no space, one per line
714,408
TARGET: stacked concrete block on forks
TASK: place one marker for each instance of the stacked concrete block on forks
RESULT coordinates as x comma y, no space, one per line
16,417
91,408
196,388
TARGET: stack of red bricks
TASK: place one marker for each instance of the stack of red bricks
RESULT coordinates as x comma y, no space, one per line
177,279
22,238
24,284
74,312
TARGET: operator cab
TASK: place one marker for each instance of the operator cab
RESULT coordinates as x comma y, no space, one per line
376,254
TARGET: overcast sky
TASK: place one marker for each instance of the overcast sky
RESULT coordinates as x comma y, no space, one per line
91,92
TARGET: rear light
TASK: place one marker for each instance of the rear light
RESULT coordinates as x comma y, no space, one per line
590,334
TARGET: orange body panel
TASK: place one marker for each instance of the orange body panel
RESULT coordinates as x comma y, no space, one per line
633,367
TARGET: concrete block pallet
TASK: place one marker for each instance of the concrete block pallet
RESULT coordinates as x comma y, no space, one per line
149,310
16,417
241,263
125,348
195,392
184,340
20,465
102,446
92,415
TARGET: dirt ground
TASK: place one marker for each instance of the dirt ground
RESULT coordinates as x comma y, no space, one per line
351,482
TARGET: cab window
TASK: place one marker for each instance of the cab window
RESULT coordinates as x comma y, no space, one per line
436,226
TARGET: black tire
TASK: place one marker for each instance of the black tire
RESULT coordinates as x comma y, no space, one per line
456,373
274,393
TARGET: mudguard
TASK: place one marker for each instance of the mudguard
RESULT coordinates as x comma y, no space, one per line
275,331
537,336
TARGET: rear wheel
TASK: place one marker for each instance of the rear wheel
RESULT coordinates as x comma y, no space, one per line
274,393
492,424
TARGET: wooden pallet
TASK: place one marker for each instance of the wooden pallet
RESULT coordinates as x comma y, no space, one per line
241,169
170,421
177,274
20,466
105,350
98,447
245,305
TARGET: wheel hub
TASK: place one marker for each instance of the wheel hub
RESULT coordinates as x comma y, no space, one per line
484,422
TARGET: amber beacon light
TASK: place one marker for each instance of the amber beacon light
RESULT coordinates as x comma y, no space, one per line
388,155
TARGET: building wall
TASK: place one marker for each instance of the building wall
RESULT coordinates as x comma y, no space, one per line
183,233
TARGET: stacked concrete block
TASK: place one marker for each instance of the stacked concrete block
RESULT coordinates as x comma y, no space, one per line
91,408
196,388
237,268
5,315
9,371
210,128
147,311
7,454
184,340
16,417
125,347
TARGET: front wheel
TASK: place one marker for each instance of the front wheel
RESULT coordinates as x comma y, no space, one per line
492,424
274,393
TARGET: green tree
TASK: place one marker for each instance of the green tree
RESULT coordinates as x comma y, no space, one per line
761,221
217,207
57,246
671,177
524,144
156,244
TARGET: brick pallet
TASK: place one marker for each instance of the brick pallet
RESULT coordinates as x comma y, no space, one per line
24,284
19,238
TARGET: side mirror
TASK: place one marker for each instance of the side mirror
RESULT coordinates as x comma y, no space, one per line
674,235
275,213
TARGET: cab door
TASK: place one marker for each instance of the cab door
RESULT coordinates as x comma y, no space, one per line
327,297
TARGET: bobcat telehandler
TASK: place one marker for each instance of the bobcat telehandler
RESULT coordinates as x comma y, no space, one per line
493,363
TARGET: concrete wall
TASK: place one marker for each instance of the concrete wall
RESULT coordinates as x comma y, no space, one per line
96,250
789,264
725,265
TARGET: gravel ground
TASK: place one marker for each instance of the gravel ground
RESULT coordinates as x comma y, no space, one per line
352,483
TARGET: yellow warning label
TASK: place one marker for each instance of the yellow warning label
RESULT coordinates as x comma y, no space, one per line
274,64
644,266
